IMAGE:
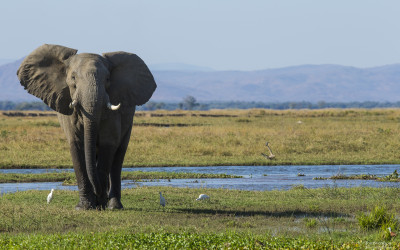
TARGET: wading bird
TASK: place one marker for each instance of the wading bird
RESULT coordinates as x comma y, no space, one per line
392,234
162,200
271,155
50,196
203,197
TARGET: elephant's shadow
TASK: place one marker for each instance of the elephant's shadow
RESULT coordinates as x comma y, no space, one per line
280,214
248,213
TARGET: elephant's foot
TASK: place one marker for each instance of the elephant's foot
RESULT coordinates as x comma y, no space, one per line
114,203
85,204
102,202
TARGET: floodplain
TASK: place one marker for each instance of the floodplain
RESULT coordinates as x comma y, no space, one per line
329,217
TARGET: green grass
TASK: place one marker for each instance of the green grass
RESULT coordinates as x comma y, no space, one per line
69,178
314,218
229,240
378,218
126,240
221,137
300,217
393,177
46,177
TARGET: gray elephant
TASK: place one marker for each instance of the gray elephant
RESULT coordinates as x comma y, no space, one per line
82,88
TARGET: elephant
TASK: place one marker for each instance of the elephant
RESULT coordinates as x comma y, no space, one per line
81,88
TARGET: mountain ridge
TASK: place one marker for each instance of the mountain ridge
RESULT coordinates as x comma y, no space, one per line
308,82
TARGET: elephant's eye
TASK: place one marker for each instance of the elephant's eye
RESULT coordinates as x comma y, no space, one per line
73,78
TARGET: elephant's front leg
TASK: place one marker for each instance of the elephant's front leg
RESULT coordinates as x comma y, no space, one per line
87,198
115,173
105,156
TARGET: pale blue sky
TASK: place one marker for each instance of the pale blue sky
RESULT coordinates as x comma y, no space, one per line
221,34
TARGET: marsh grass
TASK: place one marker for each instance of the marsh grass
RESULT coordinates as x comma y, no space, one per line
69,178
300,217
393,177
305,216
379,217
222,137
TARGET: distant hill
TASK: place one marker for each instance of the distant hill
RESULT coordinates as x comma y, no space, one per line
332,83
177,67
10,88
312,83
5,61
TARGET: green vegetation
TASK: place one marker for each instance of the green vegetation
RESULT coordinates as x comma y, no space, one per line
220,137
46,177
311,218
230,240
9,105
349,177
394,177
378,218
69,178
186,104
300,217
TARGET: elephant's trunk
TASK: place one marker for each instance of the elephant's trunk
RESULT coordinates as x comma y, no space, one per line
90,141
92,106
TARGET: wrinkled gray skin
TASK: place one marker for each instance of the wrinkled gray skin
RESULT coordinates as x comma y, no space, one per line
82,87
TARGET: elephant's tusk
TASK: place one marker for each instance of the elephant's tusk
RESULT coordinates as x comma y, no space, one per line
73,104
113,107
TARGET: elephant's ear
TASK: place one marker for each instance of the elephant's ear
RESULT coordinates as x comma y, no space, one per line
43,74
131,80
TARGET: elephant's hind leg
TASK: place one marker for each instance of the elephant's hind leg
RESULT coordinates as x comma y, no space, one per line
115,182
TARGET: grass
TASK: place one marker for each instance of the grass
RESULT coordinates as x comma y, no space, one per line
231,240
221,137
317,218
69,178
378,218
393,177
297,218
124,240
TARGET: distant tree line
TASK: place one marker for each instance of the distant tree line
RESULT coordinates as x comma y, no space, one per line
9,105
190,103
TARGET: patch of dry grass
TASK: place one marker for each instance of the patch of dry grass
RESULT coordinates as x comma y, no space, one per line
222,137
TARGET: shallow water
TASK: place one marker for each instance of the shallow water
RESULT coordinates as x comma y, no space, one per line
254,177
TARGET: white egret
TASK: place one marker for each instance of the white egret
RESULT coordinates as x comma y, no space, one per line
50,196
203,197
162,200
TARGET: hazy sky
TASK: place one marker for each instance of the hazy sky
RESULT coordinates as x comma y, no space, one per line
221,34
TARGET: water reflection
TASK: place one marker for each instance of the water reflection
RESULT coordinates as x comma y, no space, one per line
254,177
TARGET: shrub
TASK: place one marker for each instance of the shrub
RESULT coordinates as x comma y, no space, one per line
392,177
378,218
310,223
